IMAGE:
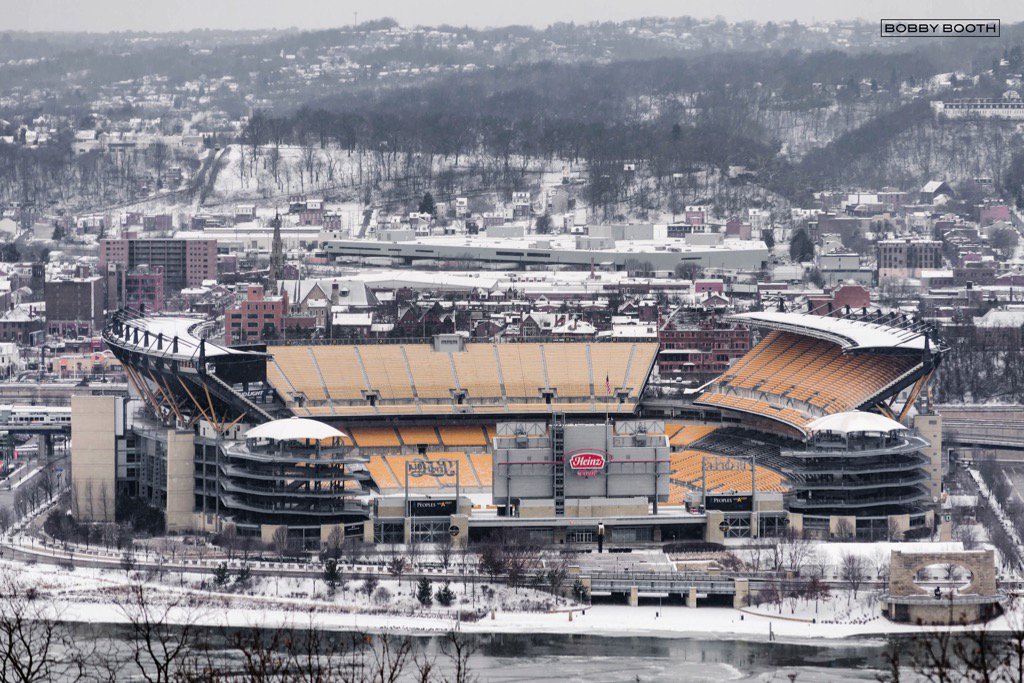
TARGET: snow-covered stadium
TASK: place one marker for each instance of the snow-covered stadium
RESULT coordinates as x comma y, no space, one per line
808,431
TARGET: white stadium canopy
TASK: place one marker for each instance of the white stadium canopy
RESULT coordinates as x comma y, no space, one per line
294,429
855,422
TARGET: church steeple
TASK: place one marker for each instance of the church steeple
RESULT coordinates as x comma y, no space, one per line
276,255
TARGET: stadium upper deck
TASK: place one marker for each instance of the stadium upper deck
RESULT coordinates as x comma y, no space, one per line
184,376
808,366
377,380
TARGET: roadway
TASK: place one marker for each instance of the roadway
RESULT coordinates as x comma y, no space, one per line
1015,474
987,427
32,470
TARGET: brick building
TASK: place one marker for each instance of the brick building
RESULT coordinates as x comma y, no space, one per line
19,325
257,317
144,288
185,263
835,301
907,257
74,307
699,346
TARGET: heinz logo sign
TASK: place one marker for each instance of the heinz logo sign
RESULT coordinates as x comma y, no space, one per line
587,463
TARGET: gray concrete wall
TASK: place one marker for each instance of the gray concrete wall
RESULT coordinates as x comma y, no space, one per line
180,480
930,427
94,456
631,470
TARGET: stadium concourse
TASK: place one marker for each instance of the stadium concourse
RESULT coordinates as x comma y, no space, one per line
422,425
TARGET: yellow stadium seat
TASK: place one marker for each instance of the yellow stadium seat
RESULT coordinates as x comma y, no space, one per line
463,435
381,474
413,436
375,437
483,466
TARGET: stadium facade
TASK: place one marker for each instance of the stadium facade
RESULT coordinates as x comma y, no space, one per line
809,431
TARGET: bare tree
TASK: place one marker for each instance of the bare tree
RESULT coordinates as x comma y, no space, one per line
316,655
892,672
89,502
844,529
968,536
796,550
351,550
464,554
852,571
755,555
880,562
34,644
128,560
459,648
492,560
980,654
20,504
389,658
424,668
776,555
1014,658
332,548
934,659
162,631
413,549
228,539
444,551
556,576
280,541
105,502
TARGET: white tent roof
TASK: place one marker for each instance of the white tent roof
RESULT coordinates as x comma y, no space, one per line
853,422
294,429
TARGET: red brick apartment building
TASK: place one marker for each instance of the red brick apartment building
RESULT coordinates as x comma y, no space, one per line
257,317
700,349
185,263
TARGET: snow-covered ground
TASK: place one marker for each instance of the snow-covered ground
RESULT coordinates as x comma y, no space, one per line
88,595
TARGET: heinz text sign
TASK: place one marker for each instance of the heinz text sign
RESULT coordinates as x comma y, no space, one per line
587,463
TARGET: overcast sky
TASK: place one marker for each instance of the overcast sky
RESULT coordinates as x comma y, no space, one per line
168,15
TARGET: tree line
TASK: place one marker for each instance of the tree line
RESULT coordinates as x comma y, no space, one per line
162,639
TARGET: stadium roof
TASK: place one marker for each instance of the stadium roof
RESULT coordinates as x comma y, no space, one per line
294,429
156,335
854,422
849,333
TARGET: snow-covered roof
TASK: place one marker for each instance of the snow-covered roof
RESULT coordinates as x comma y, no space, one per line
183,327
352,319
1013,317
854,422
848,333
294,429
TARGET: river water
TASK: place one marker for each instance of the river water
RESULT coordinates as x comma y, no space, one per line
601,659
596,659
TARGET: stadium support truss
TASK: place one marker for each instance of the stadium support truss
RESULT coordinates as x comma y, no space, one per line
184,378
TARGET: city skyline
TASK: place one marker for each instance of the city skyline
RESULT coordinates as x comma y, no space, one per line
124,15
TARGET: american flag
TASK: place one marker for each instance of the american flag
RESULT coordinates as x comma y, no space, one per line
607,383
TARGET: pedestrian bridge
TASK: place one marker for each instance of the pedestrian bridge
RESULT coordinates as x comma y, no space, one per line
688,585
